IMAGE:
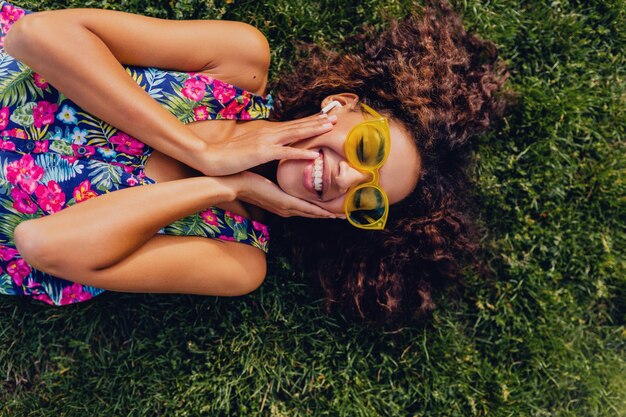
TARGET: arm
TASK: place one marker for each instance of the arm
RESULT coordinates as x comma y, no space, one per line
80,52
110,242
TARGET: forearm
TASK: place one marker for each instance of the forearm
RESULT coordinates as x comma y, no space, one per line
80,65
101,231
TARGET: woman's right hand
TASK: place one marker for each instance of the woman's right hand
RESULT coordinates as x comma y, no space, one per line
258,190
240,153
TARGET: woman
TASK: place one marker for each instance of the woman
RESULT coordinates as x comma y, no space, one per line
352,163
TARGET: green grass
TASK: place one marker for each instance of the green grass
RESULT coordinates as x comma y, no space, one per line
545,337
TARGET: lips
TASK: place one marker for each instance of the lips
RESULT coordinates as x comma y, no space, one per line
307,176
325,174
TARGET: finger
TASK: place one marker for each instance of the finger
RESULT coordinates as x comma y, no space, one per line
287,152
304,131
306,209
308,121
314,216
315,116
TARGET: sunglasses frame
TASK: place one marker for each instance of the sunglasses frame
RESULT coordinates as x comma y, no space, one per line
382,124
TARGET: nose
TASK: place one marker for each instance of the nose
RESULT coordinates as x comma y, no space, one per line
349,177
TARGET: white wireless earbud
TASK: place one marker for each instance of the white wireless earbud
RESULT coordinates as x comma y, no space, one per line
330,106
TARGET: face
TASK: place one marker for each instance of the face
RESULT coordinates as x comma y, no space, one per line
398,176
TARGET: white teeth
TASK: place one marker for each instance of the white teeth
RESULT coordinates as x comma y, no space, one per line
318,169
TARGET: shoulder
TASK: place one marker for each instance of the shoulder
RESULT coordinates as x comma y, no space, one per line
243,60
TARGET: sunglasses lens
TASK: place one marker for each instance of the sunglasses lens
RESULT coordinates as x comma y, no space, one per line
366,145
366,206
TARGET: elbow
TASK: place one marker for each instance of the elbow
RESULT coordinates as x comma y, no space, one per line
253,282
261,45
33,246
250,281
28,35
17,39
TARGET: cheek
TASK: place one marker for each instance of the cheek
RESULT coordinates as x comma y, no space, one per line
286,174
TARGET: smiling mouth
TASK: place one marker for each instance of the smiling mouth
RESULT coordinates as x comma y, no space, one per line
318,174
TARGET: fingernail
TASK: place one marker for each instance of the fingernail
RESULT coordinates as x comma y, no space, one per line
327,125
314,154
332,118
322,115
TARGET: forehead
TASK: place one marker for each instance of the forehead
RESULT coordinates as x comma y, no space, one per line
399,174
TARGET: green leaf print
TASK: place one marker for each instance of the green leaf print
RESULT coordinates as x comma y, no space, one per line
180,106
192,225
6,285
5,186
10,221
62,147
258,111
135,76
239,232
99,132
104,175
24,115
230,222
56,168
254,241
155,77
18,87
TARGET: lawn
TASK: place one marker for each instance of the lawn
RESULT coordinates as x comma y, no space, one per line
545,336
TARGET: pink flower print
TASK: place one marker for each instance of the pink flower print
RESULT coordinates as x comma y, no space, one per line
132,181
43,112
233,108
260,227
244,115
70,159
40,81
223,92
238,219
209,217
194,89
43,297
201,113
18,270
74,294
126,144
41,146
202,77
16,133
10,14
24,173
223,237
84,192
51,198
7,145
22,202
32,287
4,117
7,253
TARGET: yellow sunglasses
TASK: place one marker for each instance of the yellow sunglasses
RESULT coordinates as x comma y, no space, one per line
367,148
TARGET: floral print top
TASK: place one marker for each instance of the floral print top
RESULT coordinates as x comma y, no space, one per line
53,155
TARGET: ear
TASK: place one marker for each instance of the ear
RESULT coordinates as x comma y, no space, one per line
348,101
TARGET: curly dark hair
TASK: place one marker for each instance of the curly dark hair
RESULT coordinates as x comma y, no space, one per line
427,72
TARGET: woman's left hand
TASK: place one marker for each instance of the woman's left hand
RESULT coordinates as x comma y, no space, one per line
269,143
258,190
